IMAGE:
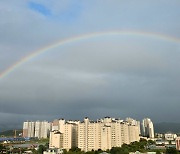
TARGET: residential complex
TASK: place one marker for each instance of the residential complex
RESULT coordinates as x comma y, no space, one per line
93,135
29,129
39,129
147,128
87,134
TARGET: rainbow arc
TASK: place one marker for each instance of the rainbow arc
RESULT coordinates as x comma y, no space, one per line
40,51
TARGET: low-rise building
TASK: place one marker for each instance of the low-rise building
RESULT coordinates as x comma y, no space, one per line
170,136
53,151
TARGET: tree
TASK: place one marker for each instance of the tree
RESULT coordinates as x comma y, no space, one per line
2,148
158,152
171,151
75,149
119,150
41,149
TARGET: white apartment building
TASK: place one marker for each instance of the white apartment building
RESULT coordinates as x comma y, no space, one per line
39,129
53,151
89,135
135,123
106,136
55,125
124,133
133,133
56,139
65,137
178,143
28,129
147,128
115,134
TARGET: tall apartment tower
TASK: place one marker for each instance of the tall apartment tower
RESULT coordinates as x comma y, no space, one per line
124,133
89,135
134,123
28,129
65,136
83,134
56,139
55,125
147,128
116,134
106,137
42,129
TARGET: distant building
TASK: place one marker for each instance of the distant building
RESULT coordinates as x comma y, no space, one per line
39,129
28,129
178,143
53,151
147,128
159,135
170,136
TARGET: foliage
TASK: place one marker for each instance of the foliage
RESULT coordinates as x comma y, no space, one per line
141,146
75,149
35,151
1,148
124,149
171,151
118,150
133,147
41,149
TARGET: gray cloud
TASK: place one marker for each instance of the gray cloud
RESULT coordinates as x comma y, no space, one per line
118,76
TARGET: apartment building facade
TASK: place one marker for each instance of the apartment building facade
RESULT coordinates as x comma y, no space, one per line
93,135
39,129
147,128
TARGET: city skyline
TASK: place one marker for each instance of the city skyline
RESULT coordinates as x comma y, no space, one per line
88,135
89,58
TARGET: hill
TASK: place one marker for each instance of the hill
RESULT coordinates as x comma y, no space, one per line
10,133
165,127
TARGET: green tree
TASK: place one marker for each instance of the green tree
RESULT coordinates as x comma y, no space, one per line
64,151
171,151
2,148
75,149
41,149
158,152
90,152
120,150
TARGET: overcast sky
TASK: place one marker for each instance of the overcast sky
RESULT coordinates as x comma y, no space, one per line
131,75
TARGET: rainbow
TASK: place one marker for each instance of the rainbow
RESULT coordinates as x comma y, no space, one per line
82,37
